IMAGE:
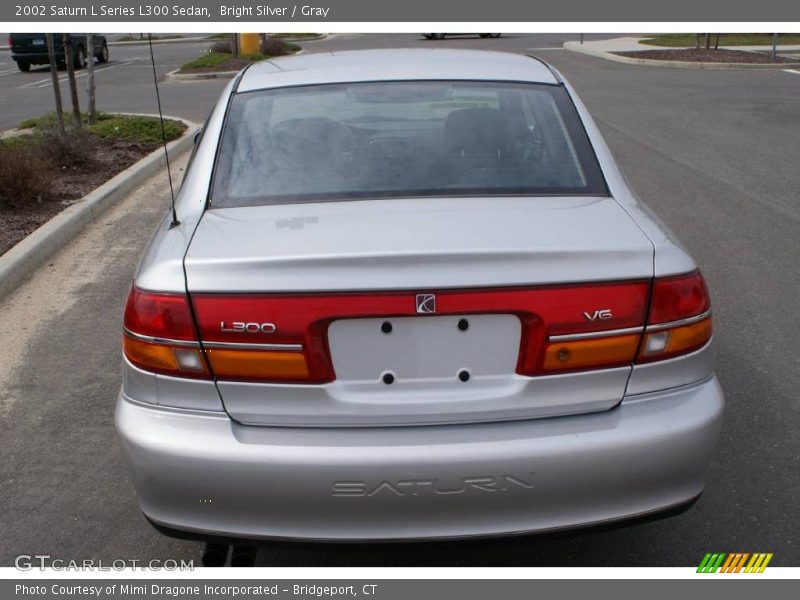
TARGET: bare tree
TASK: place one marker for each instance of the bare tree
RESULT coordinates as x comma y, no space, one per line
73,86
51,51
90,88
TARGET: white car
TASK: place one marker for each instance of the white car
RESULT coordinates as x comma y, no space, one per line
410,296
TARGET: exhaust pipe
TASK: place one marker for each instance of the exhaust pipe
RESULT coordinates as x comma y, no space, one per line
243,556
215,555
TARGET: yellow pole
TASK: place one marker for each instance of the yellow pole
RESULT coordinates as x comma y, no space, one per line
248,43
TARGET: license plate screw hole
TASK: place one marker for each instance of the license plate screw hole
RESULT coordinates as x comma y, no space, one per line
463,375
463,324
388,378
386,327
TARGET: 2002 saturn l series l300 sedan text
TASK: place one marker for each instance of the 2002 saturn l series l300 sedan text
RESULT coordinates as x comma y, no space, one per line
411,296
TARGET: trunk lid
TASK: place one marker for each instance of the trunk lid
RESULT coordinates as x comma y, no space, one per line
267,264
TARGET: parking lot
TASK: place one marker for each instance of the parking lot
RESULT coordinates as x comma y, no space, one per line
714,152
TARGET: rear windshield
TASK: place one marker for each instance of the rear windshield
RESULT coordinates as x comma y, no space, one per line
402,139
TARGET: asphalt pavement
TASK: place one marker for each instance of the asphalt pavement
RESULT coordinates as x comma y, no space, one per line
714,153
123,84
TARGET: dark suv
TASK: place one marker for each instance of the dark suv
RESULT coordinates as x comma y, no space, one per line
31,49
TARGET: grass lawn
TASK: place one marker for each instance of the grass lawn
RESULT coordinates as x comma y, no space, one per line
688,40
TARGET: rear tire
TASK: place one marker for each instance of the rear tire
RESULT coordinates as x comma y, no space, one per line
437,36
24,66
103,58
495,35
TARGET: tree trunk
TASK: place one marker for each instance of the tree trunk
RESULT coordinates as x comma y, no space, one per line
697,41
73,86
56,87
708,41
90,89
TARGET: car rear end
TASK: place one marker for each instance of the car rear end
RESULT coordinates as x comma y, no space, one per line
345,356
31,49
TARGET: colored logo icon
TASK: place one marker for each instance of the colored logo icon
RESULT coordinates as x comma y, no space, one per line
734,562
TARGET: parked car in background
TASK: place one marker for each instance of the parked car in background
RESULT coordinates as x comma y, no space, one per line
441,36
411,296
31,49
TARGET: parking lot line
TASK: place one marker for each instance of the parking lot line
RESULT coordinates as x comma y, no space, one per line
42,83
795,71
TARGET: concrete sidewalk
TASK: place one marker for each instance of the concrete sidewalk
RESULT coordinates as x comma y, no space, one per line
607,48
631,44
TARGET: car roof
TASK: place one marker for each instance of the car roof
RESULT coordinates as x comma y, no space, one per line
394,65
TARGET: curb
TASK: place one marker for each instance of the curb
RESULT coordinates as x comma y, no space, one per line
175,76
672,64
316,38
31,252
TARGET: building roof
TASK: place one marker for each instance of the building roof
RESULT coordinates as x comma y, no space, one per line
394,65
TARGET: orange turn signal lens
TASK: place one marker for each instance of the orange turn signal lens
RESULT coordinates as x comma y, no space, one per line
257,364
165,359
678,340
591,353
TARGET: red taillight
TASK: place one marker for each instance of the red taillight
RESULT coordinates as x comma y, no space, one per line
680,318
297,324
283,337
159,315
676,298
160,336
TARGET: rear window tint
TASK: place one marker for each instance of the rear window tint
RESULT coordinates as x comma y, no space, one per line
402,139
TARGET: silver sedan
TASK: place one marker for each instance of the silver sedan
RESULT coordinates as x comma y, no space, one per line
409,295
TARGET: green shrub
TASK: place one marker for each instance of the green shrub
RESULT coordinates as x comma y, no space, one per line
137,129
109,126
48,121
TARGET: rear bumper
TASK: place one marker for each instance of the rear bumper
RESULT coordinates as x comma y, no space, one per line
36,58
204,474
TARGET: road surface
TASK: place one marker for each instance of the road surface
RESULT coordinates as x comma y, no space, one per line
715,153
